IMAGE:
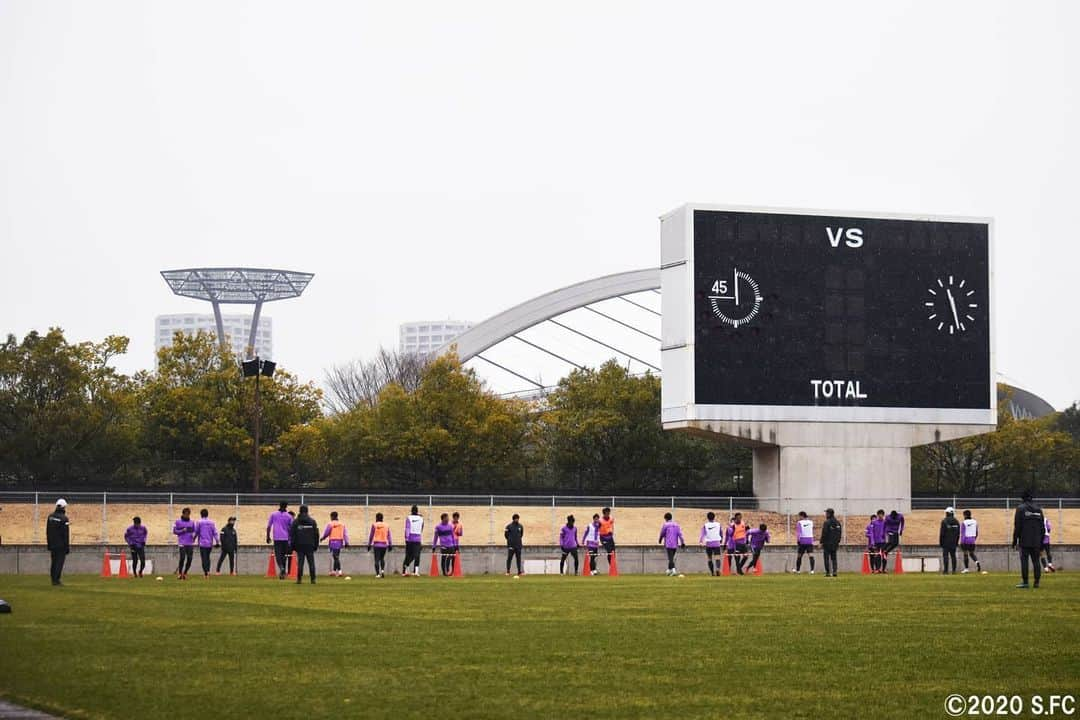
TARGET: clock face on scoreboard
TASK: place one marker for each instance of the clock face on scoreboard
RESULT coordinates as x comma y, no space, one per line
816,310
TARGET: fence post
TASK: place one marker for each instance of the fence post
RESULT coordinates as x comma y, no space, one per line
730,505
37,522
613,501
104,517
236,505
554,527
302,498
1061,522
491,522
170,506
843,514
672,502
1008,533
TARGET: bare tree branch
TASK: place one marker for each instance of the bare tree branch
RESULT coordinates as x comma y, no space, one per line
358,383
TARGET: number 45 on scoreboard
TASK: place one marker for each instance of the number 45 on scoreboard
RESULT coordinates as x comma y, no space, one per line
737,308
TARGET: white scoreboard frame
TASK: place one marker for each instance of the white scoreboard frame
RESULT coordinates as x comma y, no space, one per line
677,347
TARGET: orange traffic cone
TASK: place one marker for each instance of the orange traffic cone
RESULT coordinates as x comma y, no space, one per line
866,563
757,567
434,565
457,564
123,567
613,566
725,566
899,568
271,567
106,570
292,566
586,567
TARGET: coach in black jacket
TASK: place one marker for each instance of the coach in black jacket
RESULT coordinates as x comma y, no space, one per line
58,539
1028,529
304,538
831,535
948,539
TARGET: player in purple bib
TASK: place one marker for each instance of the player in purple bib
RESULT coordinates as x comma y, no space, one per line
207,534
568,544
184,530
878,542
671,538
279,527
894,529
135,537
758,537
444,543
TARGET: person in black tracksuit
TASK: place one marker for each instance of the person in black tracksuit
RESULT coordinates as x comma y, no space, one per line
1028,531
304,538
229,542
58,539
514,533
948,539
831,534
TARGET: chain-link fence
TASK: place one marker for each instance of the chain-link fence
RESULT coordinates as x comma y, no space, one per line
101,517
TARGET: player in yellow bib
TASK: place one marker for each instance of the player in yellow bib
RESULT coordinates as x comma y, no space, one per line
339,538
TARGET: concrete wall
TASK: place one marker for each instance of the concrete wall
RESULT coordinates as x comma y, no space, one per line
34,560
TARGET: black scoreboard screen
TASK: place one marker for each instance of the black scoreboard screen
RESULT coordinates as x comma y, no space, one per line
813,310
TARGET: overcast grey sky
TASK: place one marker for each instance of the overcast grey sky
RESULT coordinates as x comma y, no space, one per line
450,159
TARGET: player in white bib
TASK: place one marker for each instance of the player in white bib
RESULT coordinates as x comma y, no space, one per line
804,538
969,531
712,537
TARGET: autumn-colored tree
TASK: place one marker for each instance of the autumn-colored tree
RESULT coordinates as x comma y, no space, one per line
449,434
1021,453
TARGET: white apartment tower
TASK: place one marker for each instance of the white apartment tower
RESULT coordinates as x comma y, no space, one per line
237,330
427,336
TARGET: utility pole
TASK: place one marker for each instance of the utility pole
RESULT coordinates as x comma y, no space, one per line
256,367
258,427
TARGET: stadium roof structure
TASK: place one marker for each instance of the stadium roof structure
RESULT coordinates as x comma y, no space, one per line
237,286
247,286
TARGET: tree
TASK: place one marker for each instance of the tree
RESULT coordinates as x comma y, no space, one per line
359,383
602,432
198,415
1031,453
65,414
447,434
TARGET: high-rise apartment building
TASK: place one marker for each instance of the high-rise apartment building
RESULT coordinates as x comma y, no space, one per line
237,329
427,336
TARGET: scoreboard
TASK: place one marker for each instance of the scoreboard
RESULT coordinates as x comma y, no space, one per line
807,315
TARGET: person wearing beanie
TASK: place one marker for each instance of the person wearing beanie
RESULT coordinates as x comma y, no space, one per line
58,539
948,539
1029,527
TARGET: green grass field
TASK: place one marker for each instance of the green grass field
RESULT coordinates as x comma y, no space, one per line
544,647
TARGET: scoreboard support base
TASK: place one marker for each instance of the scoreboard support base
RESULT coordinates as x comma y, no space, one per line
847,479
851,467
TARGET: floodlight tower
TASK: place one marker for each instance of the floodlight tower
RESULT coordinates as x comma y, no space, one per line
237,286
240,286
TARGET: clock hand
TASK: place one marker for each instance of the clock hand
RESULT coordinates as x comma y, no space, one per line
953,304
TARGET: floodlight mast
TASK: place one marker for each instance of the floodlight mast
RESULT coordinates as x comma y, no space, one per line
240,286
237,286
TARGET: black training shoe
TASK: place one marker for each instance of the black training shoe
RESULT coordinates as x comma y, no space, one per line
1022,586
